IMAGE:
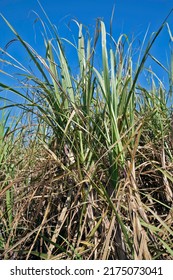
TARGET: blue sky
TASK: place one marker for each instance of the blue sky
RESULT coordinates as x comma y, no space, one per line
132,17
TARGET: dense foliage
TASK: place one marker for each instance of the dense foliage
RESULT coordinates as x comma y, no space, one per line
86,169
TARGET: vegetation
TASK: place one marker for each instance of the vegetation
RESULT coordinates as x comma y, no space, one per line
86,167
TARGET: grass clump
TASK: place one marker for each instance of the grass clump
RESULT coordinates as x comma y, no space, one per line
86,170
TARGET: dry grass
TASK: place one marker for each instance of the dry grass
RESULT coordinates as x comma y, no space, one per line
61,213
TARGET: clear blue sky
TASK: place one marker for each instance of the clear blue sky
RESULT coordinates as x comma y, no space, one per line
130,17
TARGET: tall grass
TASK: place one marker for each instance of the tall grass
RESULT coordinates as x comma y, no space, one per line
89,174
